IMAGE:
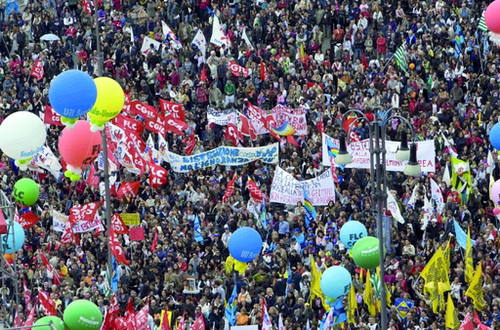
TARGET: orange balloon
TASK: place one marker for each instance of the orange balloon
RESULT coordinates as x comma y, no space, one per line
412,66
9,257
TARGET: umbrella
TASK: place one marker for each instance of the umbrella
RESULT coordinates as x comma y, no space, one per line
49,37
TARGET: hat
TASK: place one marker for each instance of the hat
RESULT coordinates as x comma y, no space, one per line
297,230
226,227
311,235
216,235
309,229
327,237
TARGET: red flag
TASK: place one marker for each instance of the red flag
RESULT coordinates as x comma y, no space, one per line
128,188
68,237
182,322
263,71
233,134
28,220
320,126
348,122
37,69
127,105
130,312
46,263
128,124
119,226
199,324
155,242
117,249
174,125
175,110
364,61
51,117
31,317
165,322
247,127
229,189
92,179
290,139
156,125
47,303
479,324
254,190
144,110
86,212
157,175
17,320
334,173
190,143
111,313
86,6
203,76
467,323
27,296
237,70
141,318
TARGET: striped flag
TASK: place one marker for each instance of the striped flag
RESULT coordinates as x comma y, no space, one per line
482,24
400,56
311,213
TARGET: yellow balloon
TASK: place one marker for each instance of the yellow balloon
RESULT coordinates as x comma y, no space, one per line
110,100
240,266
229,264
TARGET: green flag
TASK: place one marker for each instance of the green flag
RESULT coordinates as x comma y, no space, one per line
482,24
400,56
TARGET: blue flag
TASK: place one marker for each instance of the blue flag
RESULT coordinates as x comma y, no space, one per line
231,306
114,279
263,214
289,279
311,213
461,235
197,229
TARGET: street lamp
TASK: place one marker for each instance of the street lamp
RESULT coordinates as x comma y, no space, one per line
378,179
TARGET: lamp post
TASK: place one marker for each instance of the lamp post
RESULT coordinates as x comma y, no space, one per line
378,179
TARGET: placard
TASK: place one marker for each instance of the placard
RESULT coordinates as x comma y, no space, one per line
136,234
131,219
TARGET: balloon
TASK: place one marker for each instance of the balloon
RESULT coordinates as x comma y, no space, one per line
72,94
366,252
240,267
335,282
412,66
245,244
495,136
491,16
79,147
57,323
496,211
82,315
109,102
9,257
26,191
22,135
495,193
13,241
351,232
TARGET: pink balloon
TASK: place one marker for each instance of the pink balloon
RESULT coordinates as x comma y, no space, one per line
495,193
79,146
496,211
491,16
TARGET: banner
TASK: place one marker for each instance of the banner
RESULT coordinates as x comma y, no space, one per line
176,110
128,123
360,152
59,221
229,156
258,118
285,189
37,69
144,110
295,117
131,219
51,117
221,117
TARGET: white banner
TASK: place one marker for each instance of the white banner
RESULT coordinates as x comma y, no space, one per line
360,152
230,156
222,117
285,189
295,117
60,220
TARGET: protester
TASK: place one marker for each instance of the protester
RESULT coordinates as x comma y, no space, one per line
322,56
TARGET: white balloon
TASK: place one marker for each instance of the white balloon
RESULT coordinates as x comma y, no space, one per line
22,135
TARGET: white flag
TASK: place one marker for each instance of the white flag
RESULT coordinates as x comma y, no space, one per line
413,197
48,161
146,45
446,176
218,37
447,145
130,31
490,163
393,207
246,39
162,148
437,196
427,209
281,326
167,32
266,322
200,42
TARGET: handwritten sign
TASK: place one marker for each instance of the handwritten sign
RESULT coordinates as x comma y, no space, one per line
131,219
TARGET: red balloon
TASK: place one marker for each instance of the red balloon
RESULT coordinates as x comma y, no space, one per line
79,146
496,211
491,16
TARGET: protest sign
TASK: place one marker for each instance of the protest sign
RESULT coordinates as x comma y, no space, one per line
285,189
59,221
131,219
137,234
360,152
230,156
295,117
221,117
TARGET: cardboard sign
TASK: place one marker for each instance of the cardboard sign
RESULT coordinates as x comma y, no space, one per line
137,234
131,219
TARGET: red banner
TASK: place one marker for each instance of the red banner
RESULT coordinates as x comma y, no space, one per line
157,176
176,110
68,237
47,303
175,126
37,69
28,220
247,127
128,124
128,188
143,110
116,248
237,69
86,212
51,117
141,319
229,189
156,125
119,226
190,143
255,192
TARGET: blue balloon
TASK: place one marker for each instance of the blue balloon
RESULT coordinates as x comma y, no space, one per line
72,93
351,232
12,241
495,136
245,244
335,282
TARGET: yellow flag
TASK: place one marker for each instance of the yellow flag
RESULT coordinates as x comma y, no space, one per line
388,295
352,305
446,255
469,263
315,285
436,295
436,271
475,290
368,296
461,178
451,318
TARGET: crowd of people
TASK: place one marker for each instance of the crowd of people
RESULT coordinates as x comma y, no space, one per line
324,56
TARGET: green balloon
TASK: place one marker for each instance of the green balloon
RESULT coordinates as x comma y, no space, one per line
26,191
365,252
82,315
57,323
